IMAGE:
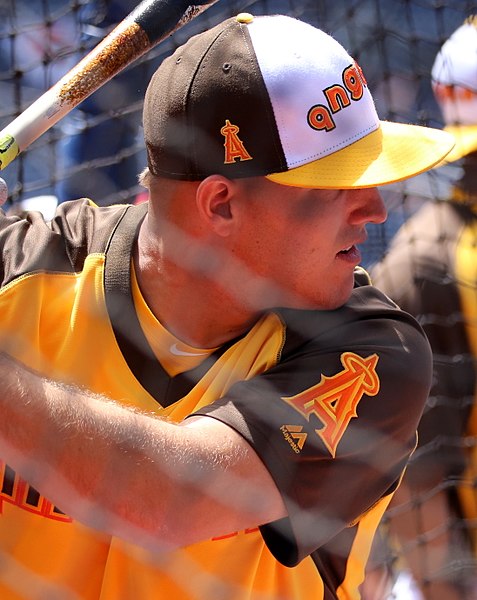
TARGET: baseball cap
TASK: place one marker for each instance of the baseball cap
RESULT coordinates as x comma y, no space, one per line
275,96
454,80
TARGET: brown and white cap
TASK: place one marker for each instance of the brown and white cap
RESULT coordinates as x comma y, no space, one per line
275,96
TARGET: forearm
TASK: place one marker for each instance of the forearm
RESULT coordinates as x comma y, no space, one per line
66,443
125,472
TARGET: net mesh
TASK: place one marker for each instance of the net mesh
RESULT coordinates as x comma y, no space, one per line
41,40
426,539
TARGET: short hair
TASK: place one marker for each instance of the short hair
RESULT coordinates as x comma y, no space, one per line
145,178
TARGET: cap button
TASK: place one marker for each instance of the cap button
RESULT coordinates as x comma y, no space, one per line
244,18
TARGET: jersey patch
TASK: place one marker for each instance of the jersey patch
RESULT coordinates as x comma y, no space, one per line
15,490
334,400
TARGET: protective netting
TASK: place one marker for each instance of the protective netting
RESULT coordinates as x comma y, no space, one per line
396,41
97,152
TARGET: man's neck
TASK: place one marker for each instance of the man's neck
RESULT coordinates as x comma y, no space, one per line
192,307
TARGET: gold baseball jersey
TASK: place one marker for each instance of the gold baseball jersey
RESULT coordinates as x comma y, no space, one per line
330,401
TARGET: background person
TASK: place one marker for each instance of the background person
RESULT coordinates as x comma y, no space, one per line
431,272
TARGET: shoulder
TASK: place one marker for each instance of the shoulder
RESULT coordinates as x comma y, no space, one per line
61,244
81,220
367,310
369,324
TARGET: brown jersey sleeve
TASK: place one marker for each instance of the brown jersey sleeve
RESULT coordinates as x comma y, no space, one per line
335,420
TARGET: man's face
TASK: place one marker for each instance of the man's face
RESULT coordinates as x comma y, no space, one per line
304,241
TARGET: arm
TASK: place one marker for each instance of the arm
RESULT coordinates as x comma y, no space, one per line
136,476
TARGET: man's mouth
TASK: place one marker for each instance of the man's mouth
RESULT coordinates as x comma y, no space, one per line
346,250
351,254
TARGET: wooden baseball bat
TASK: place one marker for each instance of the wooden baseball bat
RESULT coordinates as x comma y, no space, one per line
147,25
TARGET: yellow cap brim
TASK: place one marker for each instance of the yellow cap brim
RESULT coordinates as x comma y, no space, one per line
465,141
394,152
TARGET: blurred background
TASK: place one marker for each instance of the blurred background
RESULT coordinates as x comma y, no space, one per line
97,150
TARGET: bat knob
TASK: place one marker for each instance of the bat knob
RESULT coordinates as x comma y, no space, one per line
3,191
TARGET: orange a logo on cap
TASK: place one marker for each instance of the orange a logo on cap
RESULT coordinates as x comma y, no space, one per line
234,148
334,399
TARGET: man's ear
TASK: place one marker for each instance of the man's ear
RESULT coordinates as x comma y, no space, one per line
215,202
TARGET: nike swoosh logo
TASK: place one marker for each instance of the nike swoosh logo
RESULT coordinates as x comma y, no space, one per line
175,350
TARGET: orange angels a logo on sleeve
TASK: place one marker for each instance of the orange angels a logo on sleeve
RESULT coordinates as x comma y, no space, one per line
233,145
334,399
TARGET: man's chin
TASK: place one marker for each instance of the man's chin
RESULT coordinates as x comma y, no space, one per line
334,299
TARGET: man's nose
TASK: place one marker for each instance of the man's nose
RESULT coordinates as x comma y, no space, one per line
367,207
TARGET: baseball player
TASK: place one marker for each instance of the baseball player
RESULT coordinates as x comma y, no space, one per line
431,272
204,397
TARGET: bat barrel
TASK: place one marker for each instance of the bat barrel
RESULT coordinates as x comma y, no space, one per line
158,18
